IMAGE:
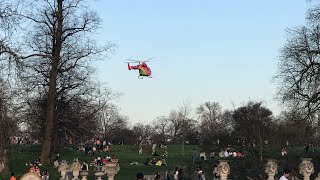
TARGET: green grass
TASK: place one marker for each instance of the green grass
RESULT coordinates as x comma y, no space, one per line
240,167
126,154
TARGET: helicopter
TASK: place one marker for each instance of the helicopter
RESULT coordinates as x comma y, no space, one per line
144,70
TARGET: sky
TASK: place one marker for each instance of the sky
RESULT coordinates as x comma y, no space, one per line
208,50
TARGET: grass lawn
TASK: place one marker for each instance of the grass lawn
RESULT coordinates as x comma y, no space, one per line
240,167
20,154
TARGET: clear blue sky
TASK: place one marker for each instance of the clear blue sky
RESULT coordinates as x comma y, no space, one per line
206,50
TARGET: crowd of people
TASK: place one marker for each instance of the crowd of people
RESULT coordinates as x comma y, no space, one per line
34,167
100,149
99,161
228,152
98,146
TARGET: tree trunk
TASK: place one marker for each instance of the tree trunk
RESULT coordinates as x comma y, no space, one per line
183,143
51,107
3,160
54,137
4,138
260,141
105,130
174,138
49,131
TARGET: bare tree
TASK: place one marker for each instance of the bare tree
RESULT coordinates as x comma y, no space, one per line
112,121
77,119
7,124
184,113
57,44
298,71
8,22
175,124
139,133
161,127
294,129
143,133
210,114
253,122
109,113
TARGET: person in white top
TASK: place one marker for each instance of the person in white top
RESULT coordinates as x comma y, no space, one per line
286,174
226,153
176,174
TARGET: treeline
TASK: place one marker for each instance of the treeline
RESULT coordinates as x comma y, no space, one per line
80,120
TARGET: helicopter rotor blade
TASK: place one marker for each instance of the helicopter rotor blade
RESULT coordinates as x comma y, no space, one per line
132,60
137,61
148,59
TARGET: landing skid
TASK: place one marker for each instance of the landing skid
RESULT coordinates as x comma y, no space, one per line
141,77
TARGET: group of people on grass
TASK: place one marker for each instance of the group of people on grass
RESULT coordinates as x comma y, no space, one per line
229,153
98,146
99,161
154,161
154,147
34,167
223,153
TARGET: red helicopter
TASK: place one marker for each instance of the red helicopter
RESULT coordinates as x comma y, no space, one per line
144,70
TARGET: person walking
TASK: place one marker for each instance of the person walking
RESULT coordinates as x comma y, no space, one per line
194,154
12,177
176,174
286,174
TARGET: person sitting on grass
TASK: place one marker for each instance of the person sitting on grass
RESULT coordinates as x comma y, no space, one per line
37,162
153,161
107,148
147,162
239,154
94,149
104,160
108,158
45,175
159,162
165,154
